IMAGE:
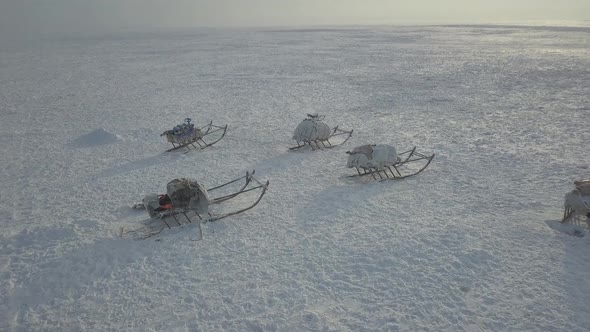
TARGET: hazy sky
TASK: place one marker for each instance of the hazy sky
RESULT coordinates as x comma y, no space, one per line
36,16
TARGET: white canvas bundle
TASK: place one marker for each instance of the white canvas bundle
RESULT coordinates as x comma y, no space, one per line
311,130
373,156
359,156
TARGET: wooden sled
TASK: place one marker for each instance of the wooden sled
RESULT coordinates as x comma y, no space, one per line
404,168
162,220
207,136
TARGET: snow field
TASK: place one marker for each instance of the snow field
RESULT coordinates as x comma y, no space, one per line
463,246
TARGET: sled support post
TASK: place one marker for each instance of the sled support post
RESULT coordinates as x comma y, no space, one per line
200,232
379,173
176,219
568,212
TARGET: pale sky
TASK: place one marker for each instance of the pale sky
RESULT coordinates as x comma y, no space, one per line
49,16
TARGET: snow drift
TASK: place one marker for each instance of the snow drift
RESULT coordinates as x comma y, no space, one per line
97,137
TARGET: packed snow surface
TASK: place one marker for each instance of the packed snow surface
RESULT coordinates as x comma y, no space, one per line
471,243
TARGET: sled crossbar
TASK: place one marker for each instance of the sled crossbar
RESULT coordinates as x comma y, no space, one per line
146,231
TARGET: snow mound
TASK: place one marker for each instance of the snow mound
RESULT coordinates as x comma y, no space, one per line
99,136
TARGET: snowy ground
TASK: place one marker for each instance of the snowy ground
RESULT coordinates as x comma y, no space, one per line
471,243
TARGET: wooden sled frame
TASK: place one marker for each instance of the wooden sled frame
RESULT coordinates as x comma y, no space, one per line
200,143
571,217
582,194
406,157
321,144
183,216
569,214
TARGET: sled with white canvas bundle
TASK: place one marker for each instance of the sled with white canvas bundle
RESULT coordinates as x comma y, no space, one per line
382,162
577,204
187,201
186,135
315,133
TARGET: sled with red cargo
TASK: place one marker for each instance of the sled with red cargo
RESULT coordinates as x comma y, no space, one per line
382,162
187,201
313,132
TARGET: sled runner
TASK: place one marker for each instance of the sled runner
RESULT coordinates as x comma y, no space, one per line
187,201
313,132
577,204
186,135
382,162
